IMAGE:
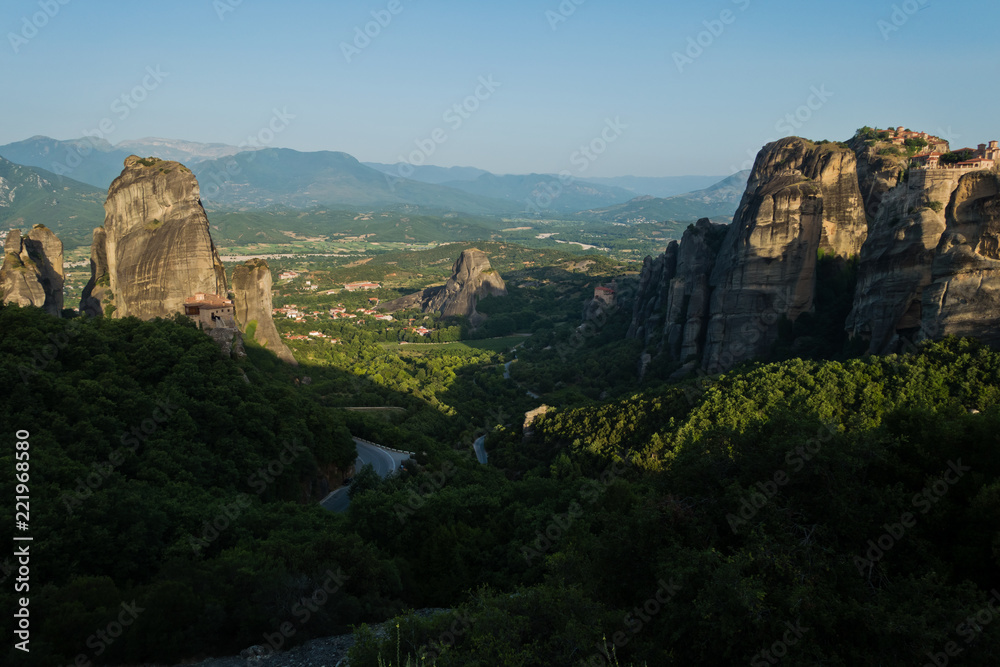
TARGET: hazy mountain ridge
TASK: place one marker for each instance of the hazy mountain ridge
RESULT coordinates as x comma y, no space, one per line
245,178
284,177
92,161
543,191
30,196
718,201
97,162
428,173
179,150
658,186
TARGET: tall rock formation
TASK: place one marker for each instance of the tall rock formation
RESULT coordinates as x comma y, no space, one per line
671,309
32,272
963,298
926,237
878,173
651,296
472,279
802,200
155,250
252,298
95,296
897,260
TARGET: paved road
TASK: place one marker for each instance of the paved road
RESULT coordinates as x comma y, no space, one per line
384,462
480,446
506,375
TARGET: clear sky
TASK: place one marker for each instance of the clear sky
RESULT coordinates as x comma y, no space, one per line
559,71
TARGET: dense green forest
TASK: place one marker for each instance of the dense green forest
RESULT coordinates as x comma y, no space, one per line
813,512
817,513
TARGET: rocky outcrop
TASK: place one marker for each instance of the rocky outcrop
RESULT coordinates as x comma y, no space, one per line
95,292
472,279
155,250
802,200
32,272
926,241
672,306
877,173
651,296
690,292
897,260
963,298
252,300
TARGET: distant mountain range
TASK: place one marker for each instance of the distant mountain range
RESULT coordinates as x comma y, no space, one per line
428,173
654,186
621,188
284,177
63,184
719,201
31,196
540,194
188,152
97,162
91,161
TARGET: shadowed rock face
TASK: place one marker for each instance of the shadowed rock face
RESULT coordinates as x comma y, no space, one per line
95,291
252,300
963,298
877,174
802,199
472,279
32,272
928,249
155,249
897,260
672,305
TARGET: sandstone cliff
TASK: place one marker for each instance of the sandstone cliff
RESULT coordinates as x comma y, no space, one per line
472,279
671,309
651,296
925,243
963,298
897,261
155,250
252,299
877,173
95,295
802,200
32,272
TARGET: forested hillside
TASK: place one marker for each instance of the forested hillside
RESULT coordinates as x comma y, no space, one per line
772,511
822,513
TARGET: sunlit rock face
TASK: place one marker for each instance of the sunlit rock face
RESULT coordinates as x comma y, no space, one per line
155,249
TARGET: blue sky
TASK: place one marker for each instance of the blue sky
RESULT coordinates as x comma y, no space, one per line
560,71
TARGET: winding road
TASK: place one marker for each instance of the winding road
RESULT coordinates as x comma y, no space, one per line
383,460
480,447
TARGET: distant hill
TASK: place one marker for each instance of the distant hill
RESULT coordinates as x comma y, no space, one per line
187,152
428,173
284,177
30,196
719,201
666,186
534,190
92,161
97,162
